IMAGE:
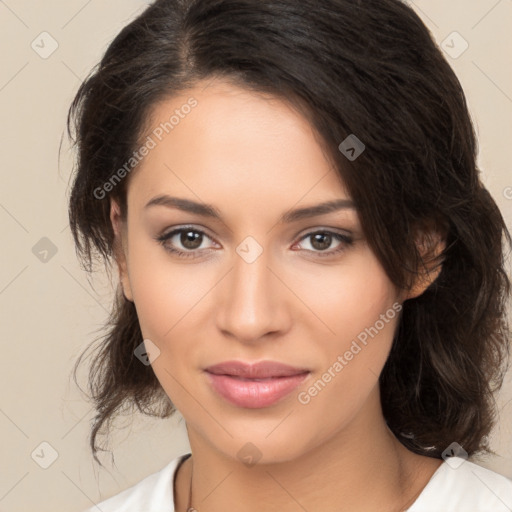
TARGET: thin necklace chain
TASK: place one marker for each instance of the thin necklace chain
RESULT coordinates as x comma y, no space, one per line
190,508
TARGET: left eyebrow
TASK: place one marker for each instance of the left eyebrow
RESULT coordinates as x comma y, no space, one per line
319,209
207,210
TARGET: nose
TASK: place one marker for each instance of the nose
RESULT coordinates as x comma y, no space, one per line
252,303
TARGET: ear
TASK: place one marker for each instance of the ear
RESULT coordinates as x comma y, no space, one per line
119,249
431,242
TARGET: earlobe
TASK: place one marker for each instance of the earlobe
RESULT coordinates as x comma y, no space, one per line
431,245
119,249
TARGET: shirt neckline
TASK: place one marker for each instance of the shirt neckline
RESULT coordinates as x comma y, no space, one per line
429,485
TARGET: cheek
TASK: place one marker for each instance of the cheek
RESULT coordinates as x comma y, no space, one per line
165,293
168,299
363,314
356,303
349,298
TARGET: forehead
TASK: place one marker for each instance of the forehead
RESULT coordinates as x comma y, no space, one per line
219,141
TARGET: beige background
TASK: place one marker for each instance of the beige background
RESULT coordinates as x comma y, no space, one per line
49,312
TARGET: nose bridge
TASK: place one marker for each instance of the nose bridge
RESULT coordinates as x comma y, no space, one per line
252,302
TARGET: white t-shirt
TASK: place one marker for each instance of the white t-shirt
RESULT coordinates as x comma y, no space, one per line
466,488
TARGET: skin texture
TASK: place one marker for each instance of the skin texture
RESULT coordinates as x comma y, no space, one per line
254,158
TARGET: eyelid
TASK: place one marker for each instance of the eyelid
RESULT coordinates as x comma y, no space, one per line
324,229
169,233
182,227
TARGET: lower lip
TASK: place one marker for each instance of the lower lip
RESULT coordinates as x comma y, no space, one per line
254,394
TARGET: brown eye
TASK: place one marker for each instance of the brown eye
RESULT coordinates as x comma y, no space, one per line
185,242
321,241
191,239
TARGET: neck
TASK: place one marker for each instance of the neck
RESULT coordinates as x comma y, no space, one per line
363,467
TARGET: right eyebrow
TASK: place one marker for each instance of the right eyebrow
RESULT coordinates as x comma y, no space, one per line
185,205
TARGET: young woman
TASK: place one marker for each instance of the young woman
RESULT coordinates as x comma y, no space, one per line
311,270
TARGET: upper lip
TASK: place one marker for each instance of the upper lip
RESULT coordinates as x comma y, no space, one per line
259,370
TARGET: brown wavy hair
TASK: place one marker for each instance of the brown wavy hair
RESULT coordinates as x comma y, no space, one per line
350,67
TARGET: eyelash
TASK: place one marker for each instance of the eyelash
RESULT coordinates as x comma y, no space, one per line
346,240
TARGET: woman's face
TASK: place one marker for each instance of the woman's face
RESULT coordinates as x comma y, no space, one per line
303,290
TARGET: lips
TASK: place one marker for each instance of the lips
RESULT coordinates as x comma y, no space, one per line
261,370
254,385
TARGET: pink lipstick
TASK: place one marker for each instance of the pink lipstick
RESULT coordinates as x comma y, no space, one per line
257,385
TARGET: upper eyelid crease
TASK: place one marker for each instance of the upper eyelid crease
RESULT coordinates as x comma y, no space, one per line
207,210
